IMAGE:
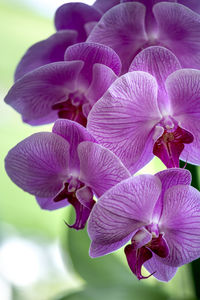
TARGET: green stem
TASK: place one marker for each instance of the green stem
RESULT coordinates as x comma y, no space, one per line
195,265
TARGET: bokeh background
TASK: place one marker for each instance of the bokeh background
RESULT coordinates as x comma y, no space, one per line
40,259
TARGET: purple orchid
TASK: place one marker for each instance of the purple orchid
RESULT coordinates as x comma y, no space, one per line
104,5
64,167
74,21
159,213
128,29
141,115
66,89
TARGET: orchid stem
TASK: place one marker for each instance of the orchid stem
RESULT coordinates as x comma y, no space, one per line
195,265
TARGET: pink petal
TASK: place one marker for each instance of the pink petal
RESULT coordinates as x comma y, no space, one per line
100,168
159,62
39,164
74,134
50,204
123,119
35,93
179,31
46,51
122,28
102,78
104,5
92,53
74,16
184,91
180,221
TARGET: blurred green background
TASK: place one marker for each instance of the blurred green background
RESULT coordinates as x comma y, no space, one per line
39,258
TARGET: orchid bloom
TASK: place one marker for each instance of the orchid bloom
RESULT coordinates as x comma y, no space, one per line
65,89
128,29
143,115
104,5
159,214
73,22
64,167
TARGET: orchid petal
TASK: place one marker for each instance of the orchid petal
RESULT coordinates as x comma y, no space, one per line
50,204
122,29
121,211
45,52
160,271
184,91
179,31
74,134
74,16
192,4
104,5
128,111
159,62
39,164
92,53
102,78
35,93
100,168
107,231
180,221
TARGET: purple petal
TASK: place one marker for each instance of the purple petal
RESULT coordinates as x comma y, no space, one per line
74,134
39,164
35,93
180,221
100,168
192,4
161,271
46,51
121,211
184,91
92,53
122,28
102,78
50,204
123,119
159,62
74,16
107,231
179,31
104,5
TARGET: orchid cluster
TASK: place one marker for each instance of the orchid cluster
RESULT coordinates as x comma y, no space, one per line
121,81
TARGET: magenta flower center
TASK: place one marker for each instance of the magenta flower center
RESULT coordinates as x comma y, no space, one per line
170,144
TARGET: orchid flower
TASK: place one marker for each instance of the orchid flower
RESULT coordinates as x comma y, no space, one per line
141,115
104,5
125,29
74,22
64,167
159,214
66,89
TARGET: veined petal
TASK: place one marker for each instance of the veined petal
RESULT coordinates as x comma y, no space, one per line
39,164
74,16
50,204
121,211
159,62
179,31
160,271
180,222
100,169
35,93
92,53
102,78
123,119
192,4
133,198
183,87
122,28
107,231
46,51
104,5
